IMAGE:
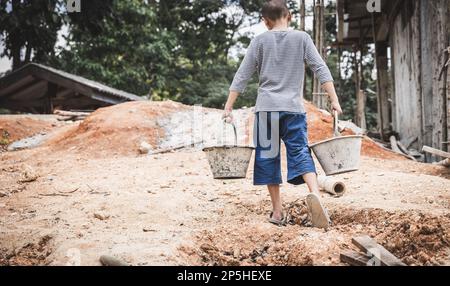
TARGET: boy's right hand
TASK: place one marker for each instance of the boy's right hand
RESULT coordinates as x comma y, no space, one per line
335,106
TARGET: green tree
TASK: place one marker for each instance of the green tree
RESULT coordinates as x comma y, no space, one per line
29,29
127,49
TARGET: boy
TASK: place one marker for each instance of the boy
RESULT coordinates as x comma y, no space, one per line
279,56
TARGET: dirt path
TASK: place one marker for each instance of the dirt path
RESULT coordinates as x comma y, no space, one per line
166,209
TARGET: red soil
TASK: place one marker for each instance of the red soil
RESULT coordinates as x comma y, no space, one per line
15,127
117,129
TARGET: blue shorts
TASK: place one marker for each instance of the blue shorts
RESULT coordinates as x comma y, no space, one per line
291,127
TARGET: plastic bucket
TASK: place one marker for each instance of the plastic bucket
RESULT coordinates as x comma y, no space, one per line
339,154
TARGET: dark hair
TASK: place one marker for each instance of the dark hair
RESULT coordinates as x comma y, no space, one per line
275,9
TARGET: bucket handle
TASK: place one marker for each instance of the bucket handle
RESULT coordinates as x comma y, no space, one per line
335,124
234,129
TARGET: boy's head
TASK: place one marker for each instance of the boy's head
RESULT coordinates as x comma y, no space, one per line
275,12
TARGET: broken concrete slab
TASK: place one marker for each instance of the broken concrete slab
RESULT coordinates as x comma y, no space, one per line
28,143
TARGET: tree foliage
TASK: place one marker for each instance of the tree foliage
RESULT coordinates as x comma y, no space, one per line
29,29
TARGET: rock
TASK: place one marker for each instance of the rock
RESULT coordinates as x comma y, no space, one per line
236,253
423,257
3,194
107,260
145,148
28,175
101,216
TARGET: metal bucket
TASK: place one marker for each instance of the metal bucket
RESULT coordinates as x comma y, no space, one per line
340,154
228,161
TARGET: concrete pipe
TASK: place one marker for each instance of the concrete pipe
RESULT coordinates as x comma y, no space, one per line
331,185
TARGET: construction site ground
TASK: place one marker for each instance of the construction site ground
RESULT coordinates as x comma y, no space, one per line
88,191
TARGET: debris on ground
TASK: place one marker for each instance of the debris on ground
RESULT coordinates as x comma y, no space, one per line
32,253
379,255
29,142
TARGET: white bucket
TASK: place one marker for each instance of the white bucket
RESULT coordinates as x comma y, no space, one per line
339,154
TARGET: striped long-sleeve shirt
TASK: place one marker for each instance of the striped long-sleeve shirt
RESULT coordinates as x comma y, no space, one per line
279,59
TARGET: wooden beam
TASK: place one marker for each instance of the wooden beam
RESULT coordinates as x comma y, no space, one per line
302,15
319,34
382,28
435,152
8,89
14,77
36,89
381,61
52,90
62,81
370,246
360,119
354,258
340,17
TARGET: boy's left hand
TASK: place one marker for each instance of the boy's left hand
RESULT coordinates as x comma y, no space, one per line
227,115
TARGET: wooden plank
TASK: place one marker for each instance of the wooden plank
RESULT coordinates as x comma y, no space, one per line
62,81
52,90
340,17
436,152
445,163
407,103
302,15
383,104
394,146
370,246
8,89
360,119
36,89
354,258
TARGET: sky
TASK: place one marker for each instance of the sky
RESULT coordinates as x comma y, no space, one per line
5,63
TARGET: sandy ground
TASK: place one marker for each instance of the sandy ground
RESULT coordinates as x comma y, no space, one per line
166,209
88,192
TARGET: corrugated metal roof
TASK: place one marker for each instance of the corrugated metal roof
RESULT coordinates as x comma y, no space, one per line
81,80
95,85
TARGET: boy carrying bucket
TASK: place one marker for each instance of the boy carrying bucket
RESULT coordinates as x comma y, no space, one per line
279,56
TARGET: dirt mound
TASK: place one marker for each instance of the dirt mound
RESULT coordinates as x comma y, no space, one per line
120,129
414,237
117,129
320,127
16,127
